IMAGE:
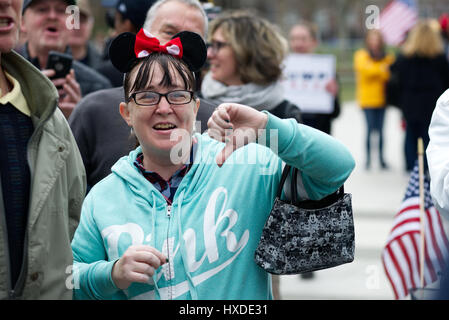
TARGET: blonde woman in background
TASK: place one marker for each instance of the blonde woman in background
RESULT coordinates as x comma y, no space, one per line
421,74
371,65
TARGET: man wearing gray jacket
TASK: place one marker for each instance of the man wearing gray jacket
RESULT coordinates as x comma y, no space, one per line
42,178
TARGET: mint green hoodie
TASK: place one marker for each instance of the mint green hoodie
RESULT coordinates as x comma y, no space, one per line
212,229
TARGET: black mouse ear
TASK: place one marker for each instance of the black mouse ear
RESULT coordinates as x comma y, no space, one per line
194,49
121,51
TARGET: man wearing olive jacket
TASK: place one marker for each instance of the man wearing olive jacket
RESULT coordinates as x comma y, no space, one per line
42,178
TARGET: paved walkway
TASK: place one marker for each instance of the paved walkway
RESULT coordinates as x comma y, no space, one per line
377,195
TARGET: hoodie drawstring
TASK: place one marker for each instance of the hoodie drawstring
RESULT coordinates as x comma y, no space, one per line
192,287
157,294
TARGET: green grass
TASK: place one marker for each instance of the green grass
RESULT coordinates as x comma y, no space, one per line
345,70
347,92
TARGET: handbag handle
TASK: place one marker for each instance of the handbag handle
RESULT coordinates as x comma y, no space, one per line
294,190
293,187
283,178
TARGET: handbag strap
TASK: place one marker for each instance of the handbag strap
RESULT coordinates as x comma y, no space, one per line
294,189
294,185
283,178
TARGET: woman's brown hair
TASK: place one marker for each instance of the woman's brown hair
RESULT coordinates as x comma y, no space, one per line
144,69
258,46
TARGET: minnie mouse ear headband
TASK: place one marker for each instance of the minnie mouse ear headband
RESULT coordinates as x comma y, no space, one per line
128,48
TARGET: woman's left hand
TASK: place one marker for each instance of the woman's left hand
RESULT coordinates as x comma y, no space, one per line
236,125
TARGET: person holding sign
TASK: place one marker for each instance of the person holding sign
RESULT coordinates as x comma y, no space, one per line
303,39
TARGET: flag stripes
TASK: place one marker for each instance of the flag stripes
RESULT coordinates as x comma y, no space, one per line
396,19
401,255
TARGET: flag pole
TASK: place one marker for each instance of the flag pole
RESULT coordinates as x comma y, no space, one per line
422,208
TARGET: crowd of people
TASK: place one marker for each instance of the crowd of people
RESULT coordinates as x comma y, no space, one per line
149,169
412,81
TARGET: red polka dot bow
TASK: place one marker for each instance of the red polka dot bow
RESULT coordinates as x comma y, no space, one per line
146,43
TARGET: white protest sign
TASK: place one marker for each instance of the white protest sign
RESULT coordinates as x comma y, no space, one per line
305,79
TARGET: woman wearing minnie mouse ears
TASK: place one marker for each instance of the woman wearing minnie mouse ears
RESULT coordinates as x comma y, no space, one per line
181,216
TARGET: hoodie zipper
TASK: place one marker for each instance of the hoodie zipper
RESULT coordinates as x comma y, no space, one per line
170,293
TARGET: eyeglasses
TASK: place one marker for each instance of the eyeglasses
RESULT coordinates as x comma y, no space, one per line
151,98
216,45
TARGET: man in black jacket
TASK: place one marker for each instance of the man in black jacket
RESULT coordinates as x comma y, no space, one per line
44,23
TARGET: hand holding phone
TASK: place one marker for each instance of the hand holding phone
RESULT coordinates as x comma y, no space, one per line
71,94
69,90
61,63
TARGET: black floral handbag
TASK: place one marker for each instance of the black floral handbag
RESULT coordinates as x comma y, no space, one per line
305,236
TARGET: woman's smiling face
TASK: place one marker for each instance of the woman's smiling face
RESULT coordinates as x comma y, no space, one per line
223,64
159,127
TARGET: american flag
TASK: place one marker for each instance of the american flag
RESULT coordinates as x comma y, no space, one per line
396,19
401,255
